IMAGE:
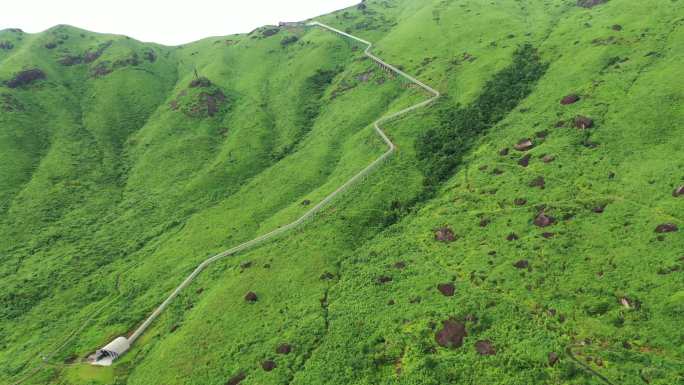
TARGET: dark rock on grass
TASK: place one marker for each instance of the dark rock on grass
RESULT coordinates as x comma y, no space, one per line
200,82
548,235
497,171
284,349
101,69
570,99
484,222
268,365
678,192
251,297
543,220
503,152
451,334
548,158
524,144
666,228
485,348
520,201
590,3
70,60
522,264
306,202
400,265
150,56
383,279
246,265
512,237
616,27
51,45
270,32
599,209
538,182
26,77
583,122
553,358
390,302
541,134
447,289
6,45
444,234
525,160
236,379
327,276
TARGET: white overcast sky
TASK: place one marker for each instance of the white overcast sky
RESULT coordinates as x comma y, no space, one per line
168,22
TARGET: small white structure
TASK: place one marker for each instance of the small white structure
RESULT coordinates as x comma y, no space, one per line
109,353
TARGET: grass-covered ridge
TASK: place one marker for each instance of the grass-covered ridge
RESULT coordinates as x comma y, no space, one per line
110,194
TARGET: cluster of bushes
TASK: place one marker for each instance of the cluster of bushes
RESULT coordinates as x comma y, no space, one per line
441,149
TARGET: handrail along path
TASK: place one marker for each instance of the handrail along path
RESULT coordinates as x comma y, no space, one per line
367,170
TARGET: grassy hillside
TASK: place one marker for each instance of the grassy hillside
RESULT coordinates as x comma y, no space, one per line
471,257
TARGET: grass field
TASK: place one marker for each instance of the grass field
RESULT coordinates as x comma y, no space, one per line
121,171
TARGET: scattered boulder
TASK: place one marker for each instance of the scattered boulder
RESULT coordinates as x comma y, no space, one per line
541,134
520,201
400,265
447,289
548,235
570,99
512,237
327,276
525,160
583,122
289,40
590,3
451,334
383,279
445,234
270,32
524,145
6,45
538,182
70,60
548,158
26,77
553,358
599,209
503,151
666,228
679,191
101,69
306,202
616,27
284,349
235,380
522,264
485,348
543,220
484,222
268,365
150,56
200,82
251,297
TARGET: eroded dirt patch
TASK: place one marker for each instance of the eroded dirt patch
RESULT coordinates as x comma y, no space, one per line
451,334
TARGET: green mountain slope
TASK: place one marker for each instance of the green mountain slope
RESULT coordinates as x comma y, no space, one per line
125,164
